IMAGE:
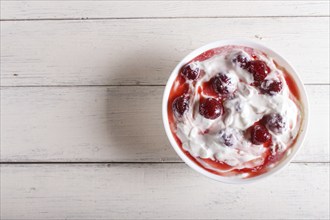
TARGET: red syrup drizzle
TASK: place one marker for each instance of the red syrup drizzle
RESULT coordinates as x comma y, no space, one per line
207,89
289,81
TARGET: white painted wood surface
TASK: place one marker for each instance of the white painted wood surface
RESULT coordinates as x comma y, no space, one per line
81,81
158,9
112,124
144,52
159,191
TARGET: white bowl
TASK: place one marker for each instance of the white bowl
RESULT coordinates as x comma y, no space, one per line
282,62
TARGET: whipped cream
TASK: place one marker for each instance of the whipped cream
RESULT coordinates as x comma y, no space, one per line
205,138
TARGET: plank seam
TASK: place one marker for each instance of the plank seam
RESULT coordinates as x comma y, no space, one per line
163,18
128,162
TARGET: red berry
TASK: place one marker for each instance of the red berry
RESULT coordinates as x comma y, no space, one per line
275,123
189,73
222,84
210,108
271,87
242,60
259,70
180,105
259,134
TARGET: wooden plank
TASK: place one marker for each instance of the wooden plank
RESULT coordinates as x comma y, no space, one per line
158,191
112,124
144,52
158,9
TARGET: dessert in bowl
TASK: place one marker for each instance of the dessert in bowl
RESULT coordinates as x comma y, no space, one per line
235,111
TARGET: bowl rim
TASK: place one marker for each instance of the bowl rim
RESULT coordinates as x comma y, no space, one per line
282,62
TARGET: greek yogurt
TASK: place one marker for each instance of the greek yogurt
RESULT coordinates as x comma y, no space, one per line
233,112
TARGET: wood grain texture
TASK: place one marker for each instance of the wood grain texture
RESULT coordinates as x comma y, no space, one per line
112,124
158,9
144,52
158,191
63,67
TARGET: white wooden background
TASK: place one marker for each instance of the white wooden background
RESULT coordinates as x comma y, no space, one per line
81,130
